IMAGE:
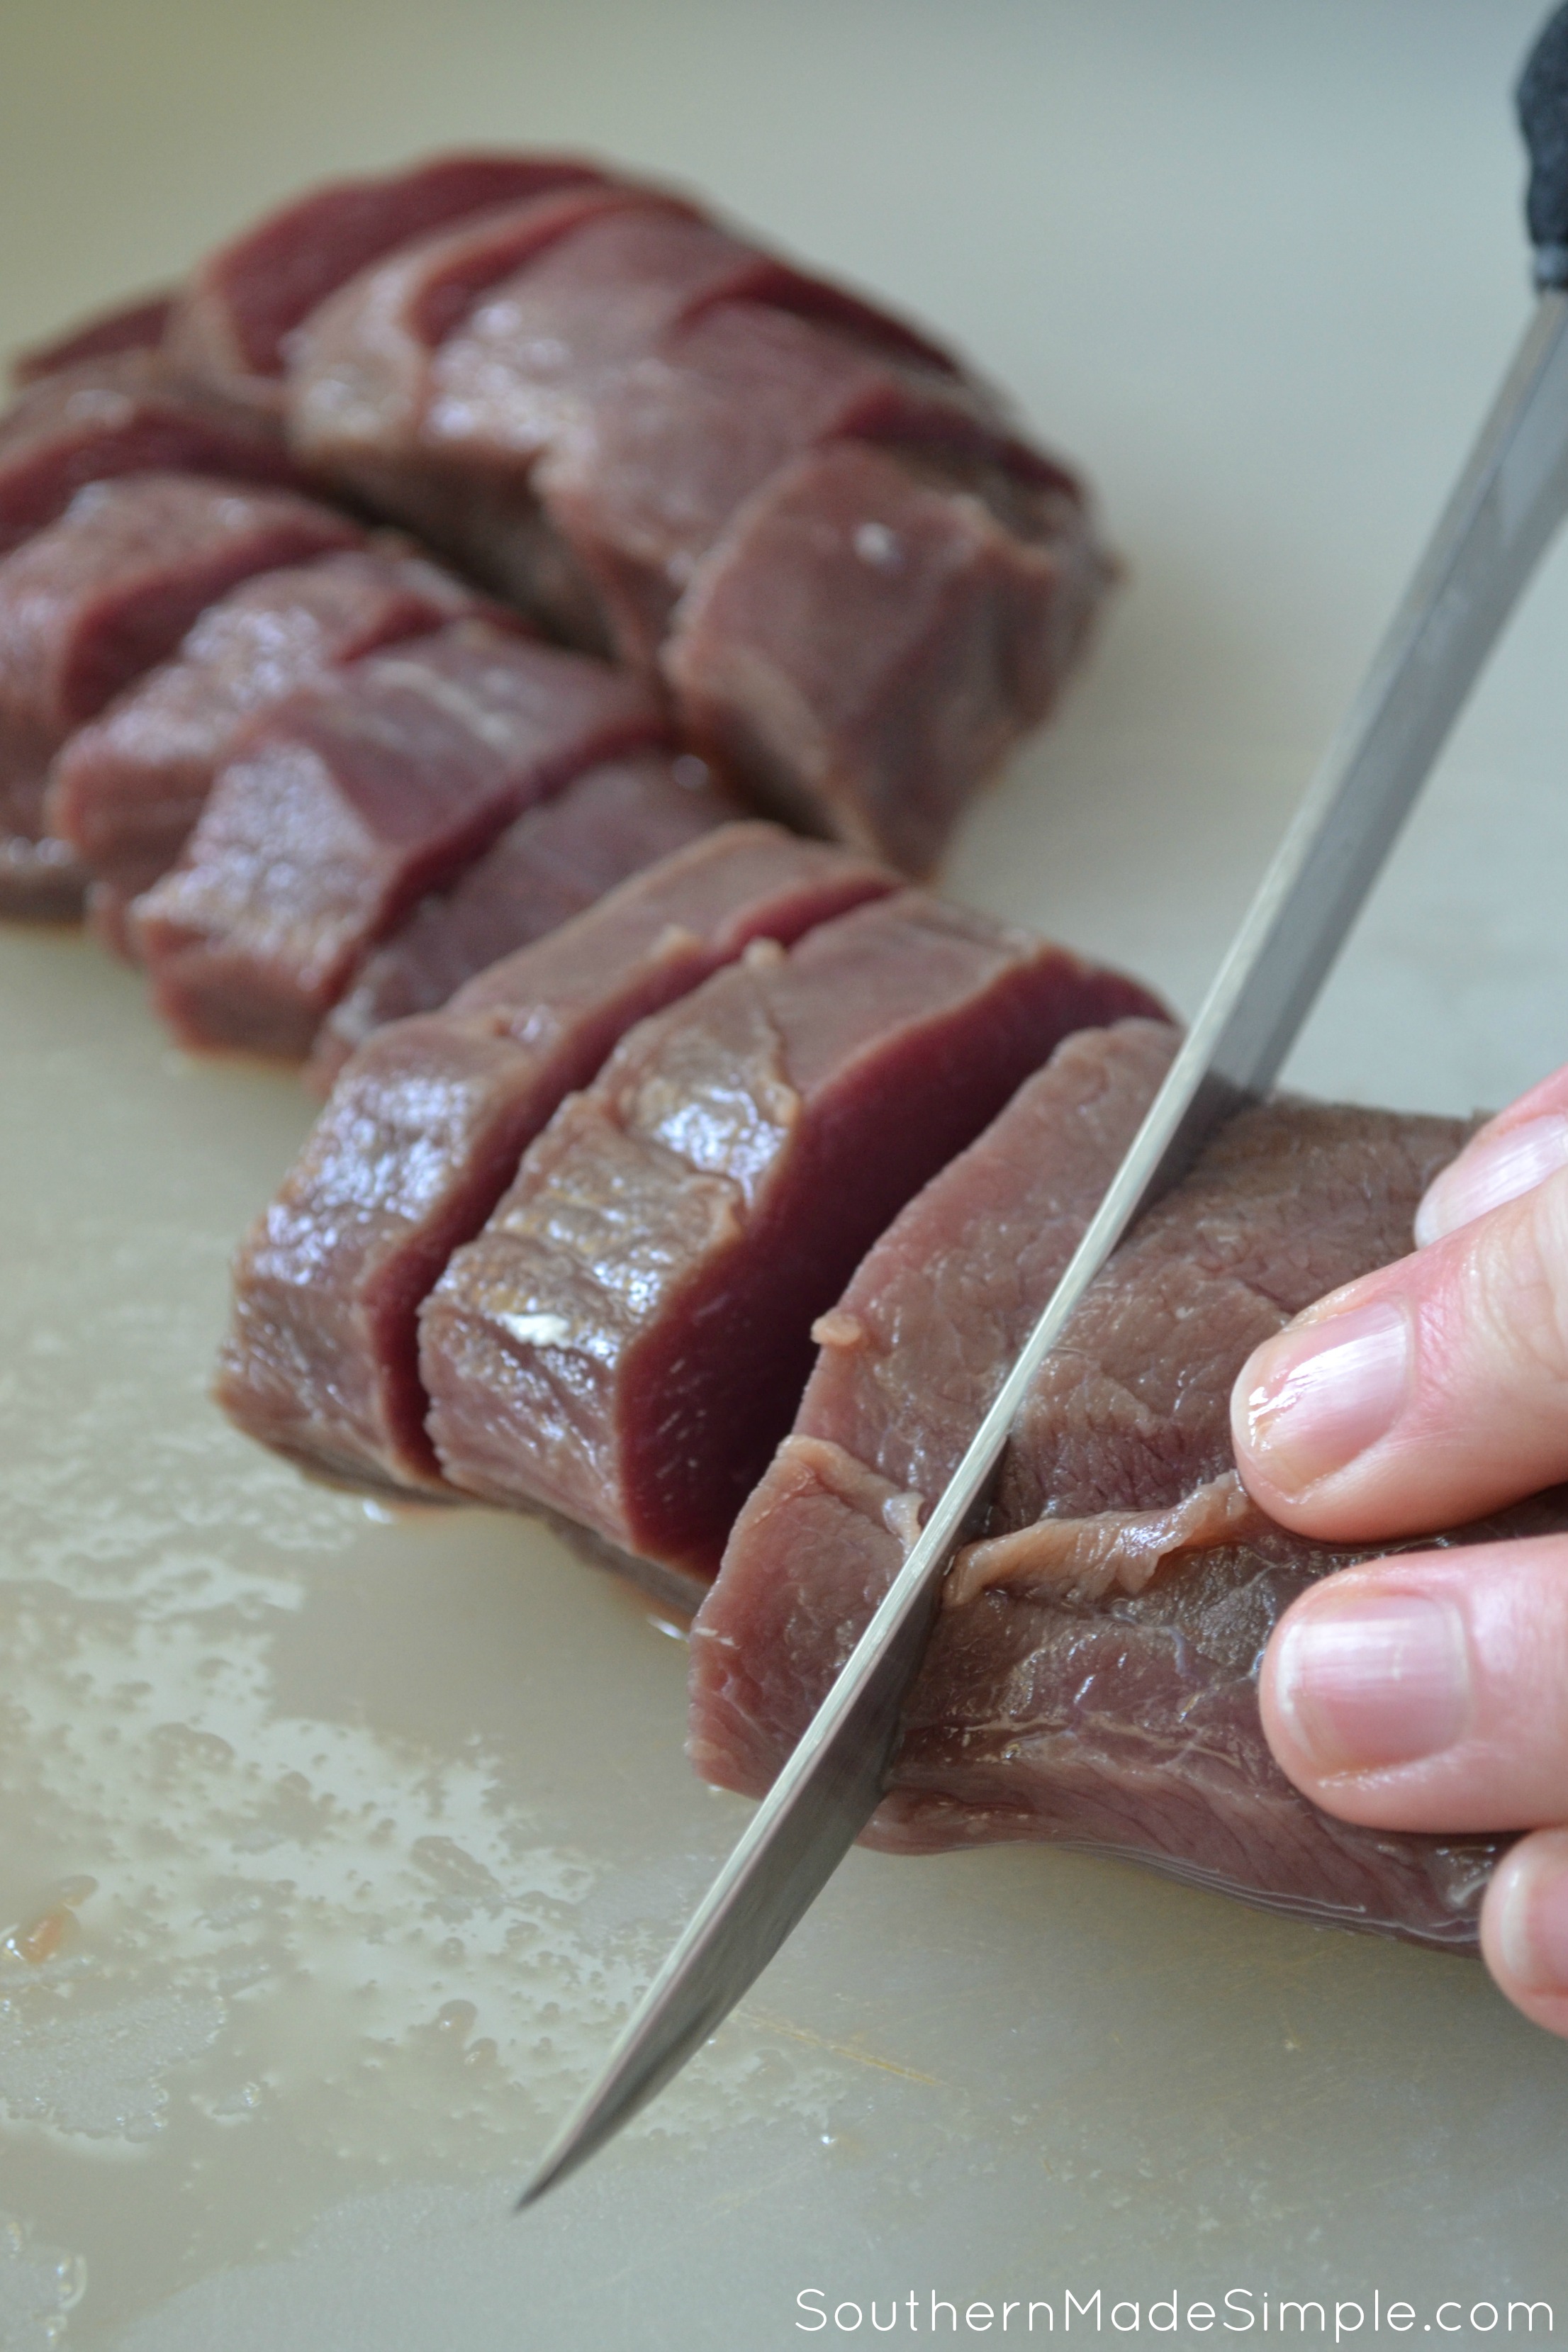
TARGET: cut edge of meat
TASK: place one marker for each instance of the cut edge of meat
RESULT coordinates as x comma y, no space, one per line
137,325
325,1368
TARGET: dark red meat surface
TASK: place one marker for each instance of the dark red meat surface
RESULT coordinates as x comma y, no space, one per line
626,1340
650,472
137,326
869,638
234,315
123,415
91,601
426,1125
359,379
127,787
523,369
1093,1677
351,800
554,861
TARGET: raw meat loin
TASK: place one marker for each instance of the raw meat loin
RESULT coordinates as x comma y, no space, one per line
555,860
626,1341
136,326
348,802
122,414
127,788
90,602
426,1125
1098,1683
868,639
233,317
645,478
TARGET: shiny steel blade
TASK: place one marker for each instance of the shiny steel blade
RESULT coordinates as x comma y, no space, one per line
1508,501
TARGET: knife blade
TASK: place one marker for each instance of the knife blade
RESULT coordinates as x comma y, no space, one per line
1508,501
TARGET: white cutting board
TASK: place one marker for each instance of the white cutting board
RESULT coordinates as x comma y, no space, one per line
385,1815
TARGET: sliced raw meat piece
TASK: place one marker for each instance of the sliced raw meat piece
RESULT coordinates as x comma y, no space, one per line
1093,1677
548,866
129,327
345,806
868,640
125,415
233,318
127,787
648,474
528,366
520,370
93,600
358,373
627,1339
426,1125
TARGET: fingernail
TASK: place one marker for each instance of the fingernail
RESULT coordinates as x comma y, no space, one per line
1323,1393
1373,1683
1533,1930
1489,1173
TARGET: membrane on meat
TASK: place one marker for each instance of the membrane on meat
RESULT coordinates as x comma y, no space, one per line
1092,1677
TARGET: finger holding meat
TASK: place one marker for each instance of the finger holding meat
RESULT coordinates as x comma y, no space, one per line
1433,1391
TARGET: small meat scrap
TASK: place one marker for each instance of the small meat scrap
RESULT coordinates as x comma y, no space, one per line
427,1122
870,636
90,602
1093,1676
233,317
125,414
554,861
347,803
127,788
626,1341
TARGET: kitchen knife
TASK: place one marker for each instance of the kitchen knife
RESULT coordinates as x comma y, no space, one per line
1508,501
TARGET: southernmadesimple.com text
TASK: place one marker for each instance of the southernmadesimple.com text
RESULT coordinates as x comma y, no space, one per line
1236,2311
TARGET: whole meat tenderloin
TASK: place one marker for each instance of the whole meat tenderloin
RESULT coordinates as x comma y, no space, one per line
94,600
1092,1674
231,320
126,788
554,861
626,1341
348,802
427,1122
124,413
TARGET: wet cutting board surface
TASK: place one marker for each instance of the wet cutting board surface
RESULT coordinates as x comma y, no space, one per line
334,1839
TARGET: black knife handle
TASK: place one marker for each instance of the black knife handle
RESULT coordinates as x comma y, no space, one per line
1542,101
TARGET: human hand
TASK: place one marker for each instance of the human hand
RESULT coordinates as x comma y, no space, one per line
1429,1691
